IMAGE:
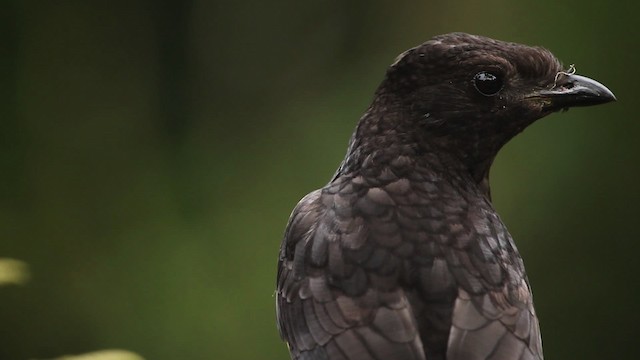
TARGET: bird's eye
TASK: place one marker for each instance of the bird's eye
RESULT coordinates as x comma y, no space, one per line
487,83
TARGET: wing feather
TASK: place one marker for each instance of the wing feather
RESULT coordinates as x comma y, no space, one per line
338,295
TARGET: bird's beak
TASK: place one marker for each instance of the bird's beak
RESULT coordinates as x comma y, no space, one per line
573,90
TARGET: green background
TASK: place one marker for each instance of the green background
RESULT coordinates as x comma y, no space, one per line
151,152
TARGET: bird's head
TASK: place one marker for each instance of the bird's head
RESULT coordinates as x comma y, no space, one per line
469,94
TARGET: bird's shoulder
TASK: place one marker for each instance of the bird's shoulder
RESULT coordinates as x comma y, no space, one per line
353,213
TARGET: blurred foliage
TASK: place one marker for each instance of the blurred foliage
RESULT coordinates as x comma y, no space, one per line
152,150
13,272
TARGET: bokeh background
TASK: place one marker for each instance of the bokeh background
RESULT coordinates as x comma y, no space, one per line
151,152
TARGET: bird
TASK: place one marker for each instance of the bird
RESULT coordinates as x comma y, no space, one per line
402,255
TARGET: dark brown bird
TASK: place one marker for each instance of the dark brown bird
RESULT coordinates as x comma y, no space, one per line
402,255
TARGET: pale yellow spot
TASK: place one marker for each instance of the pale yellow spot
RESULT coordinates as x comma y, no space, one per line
110,354
13,272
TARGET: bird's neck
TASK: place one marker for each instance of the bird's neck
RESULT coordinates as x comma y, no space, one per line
379,144
412,161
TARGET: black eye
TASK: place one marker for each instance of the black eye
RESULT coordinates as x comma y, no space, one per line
487,83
